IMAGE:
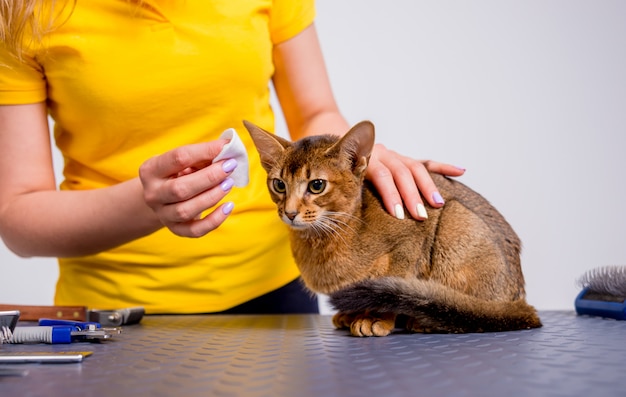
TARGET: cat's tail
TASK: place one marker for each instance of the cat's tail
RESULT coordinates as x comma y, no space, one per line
433,307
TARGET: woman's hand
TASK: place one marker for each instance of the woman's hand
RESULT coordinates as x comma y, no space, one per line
400,179
181,184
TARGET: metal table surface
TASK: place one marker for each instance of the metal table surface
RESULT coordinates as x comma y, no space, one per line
303,355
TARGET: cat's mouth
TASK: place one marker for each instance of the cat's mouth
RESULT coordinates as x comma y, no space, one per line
295,224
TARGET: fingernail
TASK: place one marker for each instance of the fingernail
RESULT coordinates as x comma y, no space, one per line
437,198
399,211
421,211
227,208
227,184
229,165
460,168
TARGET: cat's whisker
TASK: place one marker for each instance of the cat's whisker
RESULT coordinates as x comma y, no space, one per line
323,227
334,228
336,217
343,225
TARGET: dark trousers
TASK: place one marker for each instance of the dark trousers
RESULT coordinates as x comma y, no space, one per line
292,298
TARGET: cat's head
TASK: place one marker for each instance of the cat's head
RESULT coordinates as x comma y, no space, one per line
315,181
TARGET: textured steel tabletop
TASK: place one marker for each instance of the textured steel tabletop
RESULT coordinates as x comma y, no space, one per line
305,356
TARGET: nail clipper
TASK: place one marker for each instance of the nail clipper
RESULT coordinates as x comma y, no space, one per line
62,331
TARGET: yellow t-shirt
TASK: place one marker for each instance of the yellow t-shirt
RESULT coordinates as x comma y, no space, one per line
127,80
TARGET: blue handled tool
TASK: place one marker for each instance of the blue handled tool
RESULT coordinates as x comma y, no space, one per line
595,305
80,325
62,331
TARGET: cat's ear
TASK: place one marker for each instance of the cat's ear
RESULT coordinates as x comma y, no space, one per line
269,146
359,143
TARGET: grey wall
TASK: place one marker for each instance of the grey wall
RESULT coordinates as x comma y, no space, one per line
529,96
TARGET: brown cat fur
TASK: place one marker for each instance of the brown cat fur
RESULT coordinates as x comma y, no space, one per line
457,271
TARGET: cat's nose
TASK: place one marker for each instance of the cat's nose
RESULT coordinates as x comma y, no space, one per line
291,214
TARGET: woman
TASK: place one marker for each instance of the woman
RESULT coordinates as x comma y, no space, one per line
140,92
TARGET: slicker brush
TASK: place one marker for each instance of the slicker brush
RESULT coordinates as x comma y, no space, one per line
603,293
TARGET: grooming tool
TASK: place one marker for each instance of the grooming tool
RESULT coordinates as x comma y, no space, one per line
42,357
8,321
115,318
80,325
108,318
62,331
603,293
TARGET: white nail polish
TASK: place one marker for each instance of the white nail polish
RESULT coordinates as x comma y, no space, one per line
421,211
399,211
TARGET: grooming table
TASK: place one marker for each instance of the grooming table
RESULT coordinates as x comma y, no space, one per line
303,355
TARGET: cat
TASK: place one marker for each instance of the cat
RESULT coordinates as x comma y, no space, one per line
457,271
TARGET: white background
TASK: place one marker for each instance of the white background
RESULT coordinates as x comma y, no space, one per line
529,96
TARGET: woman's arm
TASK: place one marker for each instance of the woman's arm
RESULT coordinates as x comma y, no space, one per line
38,220
305,95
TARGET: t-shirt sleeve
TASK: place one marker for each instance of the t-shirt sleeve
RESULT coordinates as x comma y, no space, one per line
21,81
290,17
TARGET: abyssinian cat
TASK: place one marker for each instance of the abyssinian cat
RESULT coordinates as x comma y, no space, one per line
457,271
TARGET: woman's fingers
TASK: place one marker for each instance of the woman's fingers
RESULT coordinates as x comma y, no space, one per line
443,168
184,157
393,181
201,226
183,183
189,209
405,183
190,184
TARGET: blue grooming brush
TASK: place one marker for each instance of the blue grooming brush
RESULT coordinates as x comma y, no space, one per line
603,293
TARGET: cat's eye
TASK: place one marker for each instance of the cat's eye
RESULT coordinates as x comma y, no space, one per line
317,186
279,186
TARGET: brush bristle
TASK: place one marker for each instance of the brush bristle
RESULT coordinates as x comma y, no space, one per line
609,280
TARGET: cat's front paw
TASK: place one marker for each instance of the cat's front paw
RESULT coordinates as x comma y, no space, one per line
343,320
373,325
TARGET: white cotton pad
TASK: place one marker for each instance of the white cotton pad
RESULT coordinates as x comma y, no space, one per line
235,150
